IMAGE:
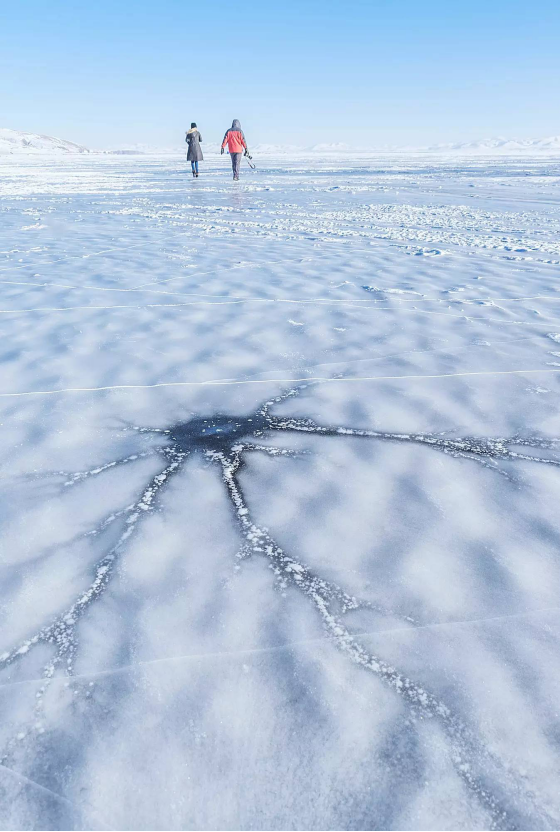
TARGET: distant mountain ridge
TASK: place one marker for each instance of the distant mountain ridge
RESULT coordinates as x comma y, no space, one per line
485,147
17,141
500,145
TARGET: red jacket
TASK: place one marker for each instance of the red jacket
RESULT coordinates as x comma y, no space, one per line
235,141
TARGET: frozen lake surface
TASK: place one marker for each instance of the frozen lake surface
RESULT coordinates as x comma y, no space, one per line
280,488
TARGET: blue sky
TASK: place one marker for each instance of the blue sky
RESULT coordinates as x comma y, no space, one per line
298,71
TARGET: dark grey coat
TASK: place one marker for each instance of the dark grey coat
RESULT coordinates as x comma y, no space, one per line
193,140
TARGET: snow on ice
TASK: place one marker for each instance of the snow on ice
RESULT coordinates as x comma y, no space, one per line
280,496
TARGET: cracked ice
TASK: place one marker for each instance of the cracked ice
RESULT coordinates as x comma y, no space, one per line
280,604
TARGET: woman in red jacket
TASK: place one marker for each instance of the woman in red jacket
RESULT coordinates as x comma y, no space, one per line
236,143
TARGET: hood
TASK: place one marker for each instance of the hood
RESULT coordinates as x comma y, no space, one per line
236,124
193,130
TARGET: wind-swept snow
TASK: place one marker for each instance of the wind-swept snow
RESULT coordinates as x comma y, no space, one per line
281,469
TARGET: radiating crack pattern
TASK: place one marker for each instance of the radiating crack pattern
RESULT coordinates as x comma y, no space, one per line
226,441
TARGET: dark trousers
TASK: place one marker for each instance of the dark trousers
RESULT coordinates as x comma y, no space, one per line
236,164
194,166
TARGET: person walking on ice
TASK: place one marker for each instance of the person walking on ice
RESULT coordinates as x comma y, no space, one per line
194,156
235,140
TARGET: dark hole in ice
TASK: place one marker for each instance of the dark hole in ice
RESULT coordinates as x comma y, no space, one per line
216,432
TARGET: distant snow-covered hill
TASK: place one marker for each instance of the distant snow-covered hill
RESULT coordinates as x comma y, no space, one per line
138,149
485,147
501,146
16,142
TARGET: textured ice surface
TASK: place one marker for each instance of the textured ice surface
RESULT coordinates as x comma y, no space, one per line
280,485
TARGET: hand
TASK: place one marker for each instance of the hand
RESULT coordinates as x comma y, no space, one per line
222,152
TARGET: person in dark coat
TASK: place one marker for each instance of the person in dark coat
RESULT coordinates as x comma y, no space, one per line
194,156
235,140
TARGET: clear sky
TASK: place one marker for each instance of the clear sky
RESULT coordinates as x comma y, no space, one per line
364,72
